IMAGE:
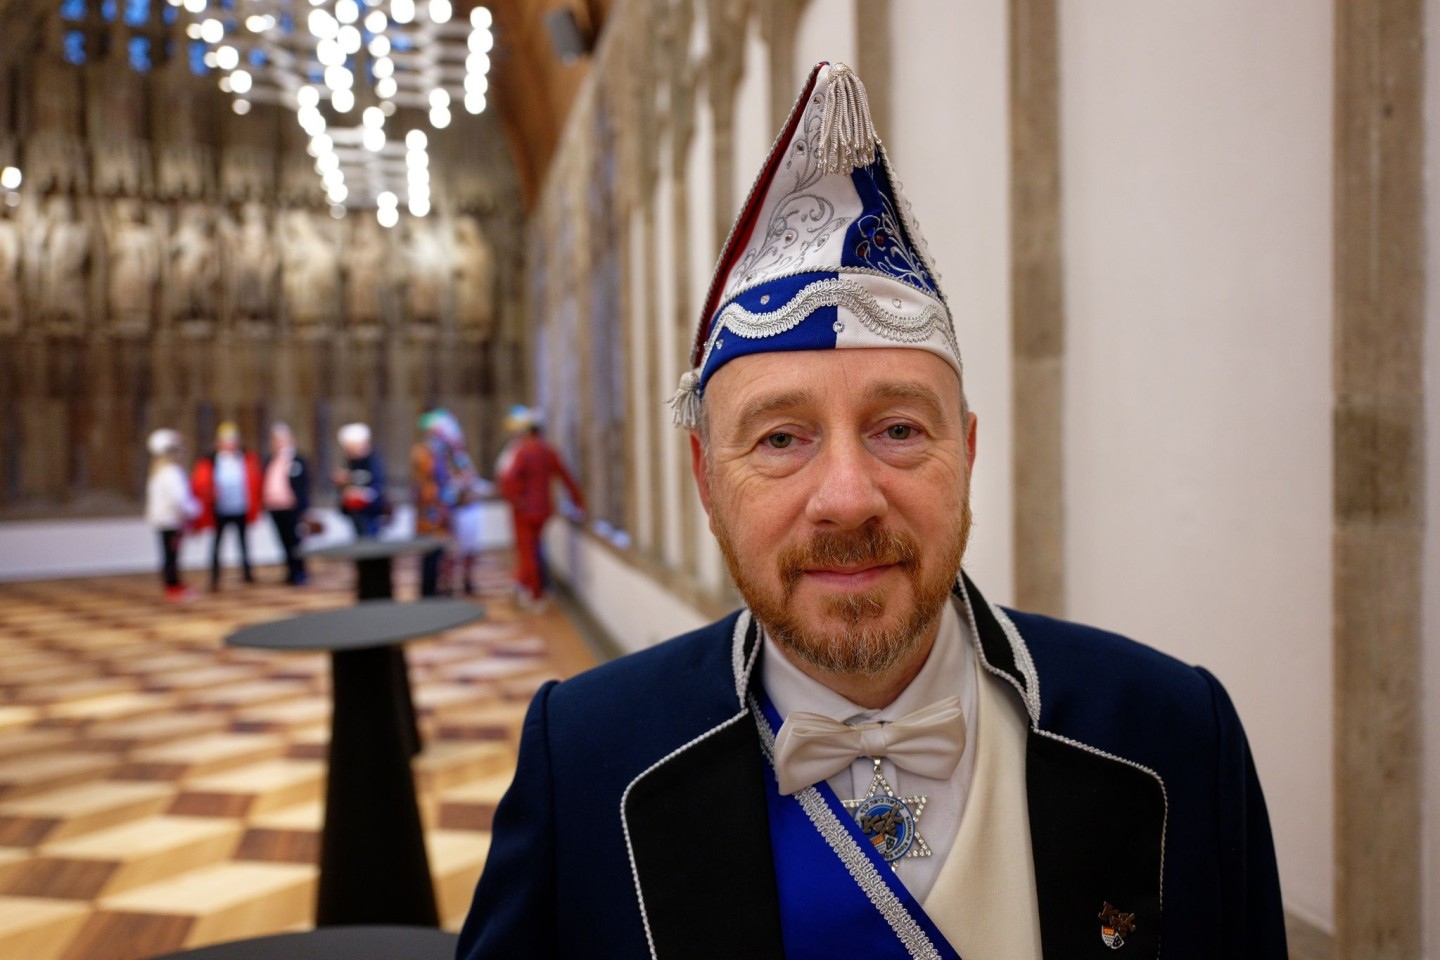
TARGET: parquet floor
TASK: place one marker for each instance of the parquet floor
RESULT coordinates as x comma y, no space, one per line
158,791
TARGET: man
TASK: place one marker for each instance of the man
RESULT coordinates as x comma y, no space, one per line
870,760
362,481
530,467
227,484
286,492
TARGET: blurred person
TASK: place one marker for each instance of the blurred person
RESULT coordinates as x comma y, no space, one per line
286,495
531,466
227,483
434,481
469,507
169,507
361,481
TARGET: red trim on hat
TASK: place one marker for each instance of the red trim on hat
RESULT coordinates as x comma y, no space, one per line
745,224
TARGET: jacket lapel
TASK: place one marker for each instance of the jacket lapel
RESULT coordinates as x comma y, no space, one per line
699,833
700,839
1097,822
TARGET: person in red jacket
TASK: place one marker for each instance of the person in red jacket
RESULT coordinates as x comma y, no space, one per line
530,465
227,484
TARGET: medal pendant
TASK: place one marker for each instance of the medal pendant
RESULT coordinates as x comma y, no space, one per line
891,823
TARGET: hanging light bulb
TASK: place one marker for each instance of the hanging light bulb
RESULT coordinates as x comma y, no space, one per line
240,81
480,18
385,88
350,39
347,11
11,178
373,139
416,140
388,217
227,57
439,117
440,11
342,100
376,22
241,107
402,11
379,44
307,97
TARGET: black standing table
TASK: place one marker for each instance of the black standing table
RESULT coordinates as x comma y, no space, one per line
333,943
373,561
373,865
374,580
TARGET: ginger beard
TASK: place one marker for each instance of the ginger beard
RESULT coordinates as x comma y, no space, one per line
858,633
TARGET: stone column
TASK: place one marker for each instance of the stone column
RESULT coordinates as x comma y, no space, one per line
1037,317
1379,474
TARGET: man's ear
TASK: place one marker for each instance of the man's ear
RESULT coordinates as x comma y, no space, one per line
697,466
970,443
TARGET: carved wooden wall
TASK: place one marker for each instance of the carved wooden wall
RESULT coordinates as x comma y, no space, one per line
167,262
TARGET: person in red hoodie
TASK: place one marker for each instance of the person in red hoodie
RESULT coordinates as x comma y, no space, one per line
529,466
227,484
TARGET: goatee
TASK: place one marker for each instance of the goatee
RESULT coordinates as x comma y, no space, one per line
854,635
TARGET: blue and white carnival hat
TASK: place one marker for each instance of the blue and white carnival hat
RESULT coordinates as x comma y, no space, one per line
825,254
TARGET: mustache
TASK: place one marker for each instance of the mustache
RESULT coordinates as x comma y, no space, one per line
870,545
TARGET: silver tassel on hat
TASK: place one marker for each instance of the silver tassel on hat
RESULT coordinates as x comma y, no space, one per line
847,136
685,405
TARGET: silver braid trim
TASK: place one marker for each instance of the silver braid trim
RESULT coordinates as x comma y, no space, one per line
835,292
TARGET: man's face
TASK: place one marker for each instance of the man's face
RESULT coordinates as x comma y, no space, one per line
837,483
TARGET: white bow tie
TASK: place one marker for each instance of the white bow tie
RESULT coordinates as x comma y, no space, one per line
811,747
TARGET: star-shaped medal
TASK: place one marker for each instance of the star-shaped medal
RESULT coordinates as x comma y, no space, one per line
892,823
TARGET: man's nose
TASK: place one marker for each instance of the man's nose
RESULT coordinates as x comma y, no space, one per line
847,491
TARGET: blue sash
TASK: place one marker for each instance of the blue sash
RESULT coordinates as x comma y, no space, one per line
840,900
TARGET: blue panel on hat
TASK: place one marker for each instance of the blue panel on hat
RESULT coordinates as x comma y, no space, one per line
878,238
816,331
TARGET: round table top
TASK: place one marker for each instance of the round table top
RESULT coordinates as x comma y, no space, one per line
334,943
365,548
369,623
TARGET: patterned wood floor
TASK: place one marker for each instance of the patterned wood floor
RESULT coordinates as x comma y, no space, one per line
158,791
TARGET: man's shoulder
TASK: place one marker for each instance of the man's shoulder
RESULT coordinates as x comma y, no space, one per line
1100,686
690,673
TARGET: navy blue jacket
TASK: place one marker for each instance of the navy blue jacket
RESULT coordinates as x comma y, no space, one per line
636,824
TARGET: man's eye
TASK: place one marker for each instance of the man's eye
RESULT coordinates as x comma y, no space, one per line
900,431
779,441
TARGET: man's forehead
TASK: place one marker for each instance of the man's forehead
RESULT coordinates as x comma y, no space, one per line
773,381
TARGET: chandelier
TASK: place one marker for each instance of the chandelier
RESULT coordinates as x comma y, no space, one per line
334,62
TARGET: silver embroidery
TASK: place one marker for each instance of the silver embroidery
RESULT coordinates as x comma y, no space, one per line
801,220
835,292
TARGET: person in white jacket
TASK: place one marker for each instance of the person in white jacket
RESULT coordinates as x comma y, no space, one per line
169,506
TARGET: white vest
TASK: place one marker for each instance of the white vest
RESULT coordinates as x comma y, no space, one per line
984,899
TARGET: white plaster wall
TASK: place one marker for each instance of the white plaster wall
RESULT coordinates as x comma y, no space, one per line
825,31
635,610
1430,897
954,165
1196,177
667,445
700,196
641,402
752,135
